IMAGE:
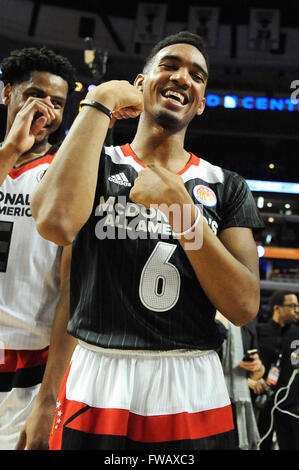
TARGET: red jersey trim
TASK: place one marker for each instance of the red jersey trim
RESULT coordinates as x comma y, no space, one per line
194,160
129,152
16,172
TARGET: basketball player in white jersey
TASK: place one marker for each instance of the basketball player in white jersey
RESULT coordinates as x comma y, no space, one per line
34,273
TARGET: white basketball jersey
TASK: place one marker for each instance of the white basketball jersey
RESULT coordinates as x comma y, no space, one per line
29,264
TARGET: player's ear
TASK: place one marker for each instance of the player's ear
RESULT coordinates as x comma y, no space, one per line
6,93
138,83
201,107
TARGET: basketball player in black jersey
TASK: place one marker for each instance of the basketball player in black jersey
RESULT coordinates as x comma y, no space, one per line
145,373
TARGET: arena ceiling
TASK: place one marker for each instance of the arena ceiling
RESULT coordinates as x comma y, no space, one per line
232,11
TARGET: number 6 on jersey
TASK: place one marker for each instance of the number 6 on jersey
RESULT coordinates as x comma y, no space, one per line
160,280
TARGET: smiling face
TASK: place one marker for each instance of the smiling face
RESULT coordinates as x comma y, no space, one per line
40,85
174,84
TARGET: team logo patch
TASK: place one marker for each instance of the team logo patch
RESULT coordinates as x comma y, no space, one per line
205,195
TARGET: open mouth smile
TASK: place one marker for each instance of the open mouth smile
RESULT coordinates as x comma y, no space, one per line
175,96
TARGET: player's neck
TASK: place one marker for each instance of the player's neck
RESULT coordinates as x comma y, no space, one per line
36,151
160,147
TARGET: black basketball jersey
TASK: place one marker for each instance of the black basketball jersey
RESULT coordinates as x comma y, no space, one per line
132,285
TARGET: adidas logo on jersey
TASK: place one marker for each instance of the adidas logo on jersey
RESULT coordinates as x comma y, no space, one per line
120,178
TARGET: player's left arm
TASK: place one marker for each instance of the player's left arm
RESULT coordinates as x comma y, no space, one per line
226,265
36,431
228,271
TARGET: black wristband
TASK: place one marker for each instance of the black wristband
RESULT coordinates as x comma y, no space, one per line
99,106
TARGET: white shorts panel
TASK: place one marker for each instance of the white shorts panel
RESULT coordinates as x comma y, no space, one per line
147,385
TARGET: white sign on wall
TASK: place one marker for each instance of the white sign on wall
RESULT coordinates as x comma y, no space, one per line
204,21
150,23
264,25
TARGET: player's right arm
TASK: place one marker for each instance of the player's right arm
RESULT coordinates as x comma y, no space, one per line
8,158
64,198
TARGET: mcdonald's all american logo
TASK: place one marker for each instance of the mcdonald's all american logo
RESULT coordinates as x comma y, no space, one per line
205,195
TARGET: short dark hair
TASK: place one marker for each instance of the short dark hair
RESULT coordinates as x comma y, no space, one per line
18,66
182,37
278,298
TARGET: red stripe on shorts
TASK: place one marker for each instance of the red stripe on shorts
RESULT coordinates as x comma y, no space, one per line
162,428
14,360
